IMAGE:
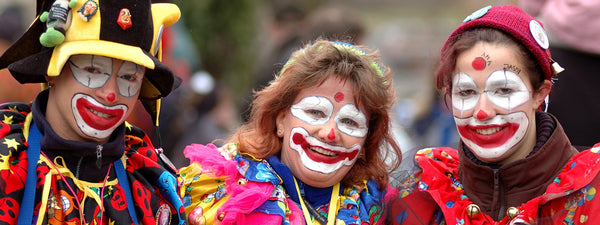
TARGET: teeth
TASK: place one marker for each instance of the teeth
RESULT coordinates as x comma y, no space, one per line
322,151
100,114
488,131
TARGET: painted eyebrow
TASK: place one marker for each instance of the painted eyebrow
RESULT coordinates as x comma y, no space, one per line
499,82
100,61
504,81
468,81
129,68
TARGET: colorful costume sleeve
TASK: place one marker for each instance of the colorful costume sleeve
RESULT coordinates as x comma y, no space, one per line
13,160
222,187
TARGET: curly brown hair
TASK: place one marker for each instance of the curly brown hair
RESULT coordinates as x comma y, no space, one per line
311,66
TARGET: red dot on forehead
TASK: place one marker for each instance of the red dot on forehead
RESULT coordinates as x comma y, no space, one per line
339,96
478,63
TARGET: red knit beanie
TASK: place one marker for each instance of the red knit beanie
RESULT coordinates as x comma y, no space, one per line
513,21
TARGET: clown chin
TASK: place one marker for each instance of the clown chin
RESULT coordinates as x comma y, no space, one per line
84,125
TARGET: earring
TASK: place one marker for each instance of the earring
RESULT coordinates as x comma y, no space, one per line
279,132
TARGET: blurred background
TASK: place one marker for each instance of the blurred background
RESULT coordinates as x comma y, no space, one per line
224,50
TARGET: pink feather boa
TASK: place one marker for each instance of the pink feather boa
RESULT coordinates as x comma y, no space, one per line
244,197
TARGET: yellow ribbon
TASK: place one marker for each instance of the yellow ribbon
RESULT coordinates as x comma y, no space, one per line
332,205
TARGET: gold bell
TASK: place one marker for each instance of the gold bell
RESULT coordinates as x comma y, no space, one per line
221,216
512,212
473,210
242,181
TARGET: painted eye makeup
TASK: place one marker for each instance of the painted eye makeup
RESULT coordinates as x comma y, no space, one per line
90,71
506,89
317,110
351,121
94,71
465,92
129,78
313,110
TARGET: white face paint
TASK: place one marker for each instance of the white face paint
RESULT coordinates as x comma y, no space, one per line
492,139
493,103
351,121
95,119
504,88
93,71
312,151
317,145
317,110
465,92
313,110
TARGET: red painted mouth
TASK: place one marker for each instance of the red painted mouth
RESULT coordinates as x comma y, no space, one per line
320,154
490,136
97,117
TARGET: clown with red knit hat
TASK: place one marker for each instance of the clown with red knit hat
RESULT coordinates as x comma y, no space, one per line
514,163
69,157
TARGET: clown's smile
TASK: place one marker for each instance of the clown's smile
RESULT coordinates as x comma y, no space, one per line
319,156
493,138
489,136
95,119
